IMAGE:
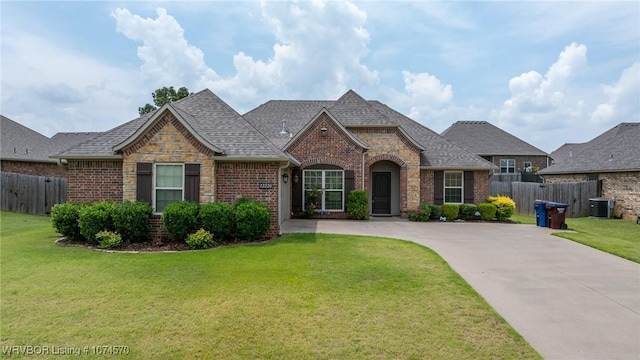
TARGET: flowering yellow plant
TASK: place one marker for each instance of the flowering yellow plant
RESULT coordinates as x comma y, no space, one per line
505,205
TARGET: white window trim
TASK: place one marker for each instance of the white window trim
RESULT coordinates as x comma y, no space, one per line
154,176
507,160
445,187
323,188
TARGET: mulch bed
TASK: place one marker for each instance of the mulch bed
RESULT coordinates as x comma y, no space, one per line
147,246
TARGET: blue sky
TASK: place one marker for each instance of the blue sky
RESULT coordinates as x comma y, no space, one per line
547,72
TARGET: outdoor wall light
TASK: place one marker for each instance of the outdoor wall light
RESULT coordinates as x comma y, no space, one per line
295,179
323,131
285,178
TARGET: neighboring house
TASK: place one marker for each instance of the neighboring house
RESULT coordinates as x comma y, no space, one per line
511,154
200,149
613,157
25,151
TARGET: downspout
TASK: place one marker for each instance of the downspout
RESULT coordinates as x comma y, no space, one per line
280,169
362,177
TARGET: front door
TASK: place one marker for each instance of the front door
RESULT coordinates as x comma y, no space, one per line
381,193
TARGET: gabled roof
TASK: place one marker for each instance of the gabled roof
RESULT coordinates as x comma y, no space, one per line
351,110
20,143
209,118
483,138
615,150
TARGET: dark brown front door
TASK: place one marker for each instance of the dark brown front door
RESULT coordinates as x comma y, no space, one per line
381,194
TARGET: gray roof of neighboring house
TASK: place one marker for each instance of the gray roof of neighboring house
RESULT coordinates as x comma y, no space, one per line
20,143
351,110
617,149
210,117
483,138
65,140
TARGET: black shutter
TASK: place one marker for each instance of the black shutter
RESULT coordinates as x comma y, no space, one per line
296,191
438,187
144,182
468,187
192,182
349,185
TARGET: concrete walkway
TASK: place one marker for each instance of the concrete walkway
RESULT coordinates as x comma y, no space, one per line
567,300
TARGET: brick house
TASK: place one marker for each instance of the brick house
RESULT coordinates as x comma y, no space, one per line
613,158
511,154
25,151
200,149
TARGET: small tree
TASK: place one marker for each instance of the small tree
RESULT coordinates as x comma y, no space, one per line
162,96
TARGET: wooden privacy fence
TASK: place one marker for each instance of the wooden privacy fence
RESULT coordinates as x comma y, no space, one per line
31,194
577,195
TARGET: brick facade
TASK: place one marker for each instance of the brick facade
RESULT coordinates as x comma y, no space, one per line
243,179
536,160
623,186
33,168
94,180
481,186
168,141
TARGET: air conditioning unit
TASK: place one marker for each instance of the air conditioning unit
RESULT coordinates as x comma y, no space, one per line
600,207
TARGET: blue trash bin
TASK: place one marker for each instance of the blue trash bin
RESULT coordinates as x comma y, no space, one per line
542,216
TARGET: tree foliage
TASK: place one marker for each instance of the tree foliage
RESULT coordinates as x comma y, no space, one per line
162,96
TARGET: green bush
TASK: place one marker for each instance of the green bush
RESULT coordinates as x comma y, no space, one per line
419,215
487,211
218,219
201,239
450,211
64,219
468,211
131,220
505,206
95,218
432,211
358,205
179,219
252,220
108,239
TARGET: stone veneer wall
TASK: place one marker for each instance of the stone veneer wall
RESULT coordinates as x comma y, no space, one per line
33,168
624,186
169,142
94,180
391,145
243,179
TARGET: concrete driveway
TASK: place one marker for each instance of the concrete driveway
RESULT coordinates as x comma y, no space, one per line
567,300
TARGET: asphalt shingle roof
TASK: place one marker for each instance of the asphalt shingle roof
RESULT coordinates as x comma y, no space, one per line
617,149
20,143
209,116
483,138
353,110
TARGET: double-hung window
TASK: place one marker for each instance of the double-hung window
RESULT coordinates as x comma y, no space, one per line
168,185
507,166
329,185
453,187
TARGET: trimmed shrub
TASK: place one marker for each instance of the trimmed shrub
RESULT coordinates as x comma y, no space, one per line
468,211
95,218
505,206
358,205
64,219
131,220
179,219
487,211
108,240
201,239
252,220
419,215
218,219
450,211
432,211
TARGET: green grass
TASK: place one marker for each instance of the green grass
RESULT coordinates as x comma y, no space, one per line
304,296
617,237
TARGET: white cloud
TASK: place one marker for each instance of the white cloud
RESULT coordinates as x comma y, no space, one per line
318,52
623,102
50,88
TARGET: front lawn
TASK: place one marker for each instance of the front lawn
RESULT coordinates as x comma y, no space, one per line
304,296
617,237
